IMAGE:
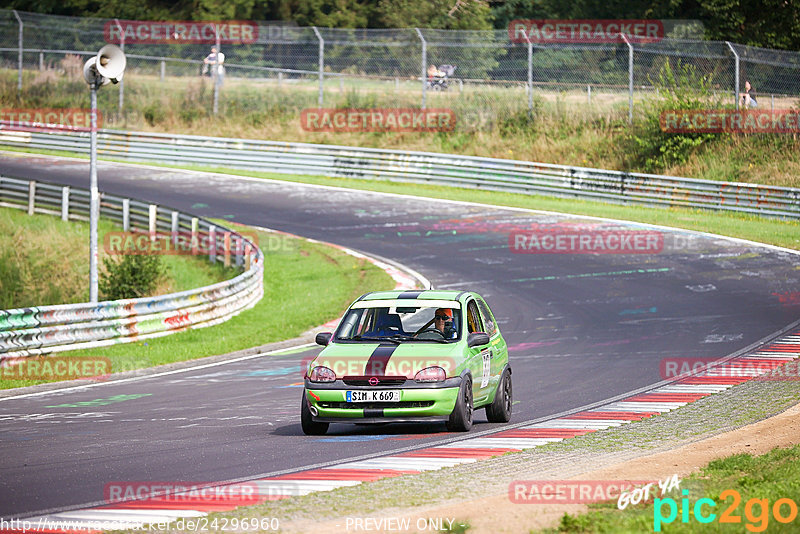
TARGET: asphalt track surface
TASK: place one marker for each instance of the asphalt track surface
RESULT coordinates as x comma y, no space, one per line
581,328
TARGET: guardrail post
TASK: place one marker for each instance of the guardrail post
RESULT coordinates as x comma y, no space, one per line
226,249
19,61
212,244
630,78
126,214
152,218
174,228
195,244
163,69
238,259
424,66
248,249
321,65
31,196
65,203
735,74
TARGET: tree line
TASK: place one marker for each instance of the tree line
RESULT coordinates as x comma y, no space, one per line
765,23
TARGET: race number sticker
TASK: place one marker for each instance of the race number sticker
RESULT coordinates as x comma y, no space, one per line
487,367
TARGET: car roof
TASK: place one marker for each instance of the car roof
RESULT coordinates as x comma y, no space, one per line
422,294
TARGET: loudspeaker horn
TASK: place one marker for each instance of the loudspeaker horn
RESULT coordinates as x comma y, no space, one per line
110,62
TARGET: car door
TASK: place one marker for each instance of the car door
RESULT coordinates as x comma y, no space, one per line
497,343
479,357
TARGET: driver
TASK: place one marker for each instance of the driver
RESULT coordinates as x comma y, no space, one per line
443,322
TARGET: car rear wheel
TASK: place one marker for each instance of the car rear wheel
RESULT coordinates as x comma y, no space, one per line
499,411
310,427
461,417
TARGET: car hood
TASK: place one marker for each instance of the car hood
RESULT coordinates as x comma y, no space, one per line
389,359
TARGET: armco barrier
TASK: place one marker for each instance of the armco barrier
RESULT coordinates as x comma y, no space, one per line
48,329
422,167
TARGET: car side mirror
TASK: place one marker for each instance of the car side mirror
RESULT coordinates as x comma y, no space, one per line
323,338
476,339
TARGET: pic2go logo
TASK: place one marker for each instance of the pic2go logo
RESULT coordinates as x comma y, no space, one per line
756,511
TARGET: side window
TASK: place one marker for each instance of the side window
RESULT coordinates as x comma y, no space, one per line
473,318
488,320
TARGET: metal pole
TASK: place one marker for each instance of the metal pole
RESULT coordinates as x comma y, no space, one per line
19,67
735,74
321,65
163,69
215,77
424,67
122,81
530,75
630,78
94,198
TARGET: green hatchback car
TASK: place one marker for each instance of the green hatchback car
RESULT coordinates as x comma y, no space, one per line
409,356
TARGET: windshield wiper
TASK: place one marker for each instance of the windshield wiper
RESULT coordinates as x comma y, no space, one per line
374,338
437,340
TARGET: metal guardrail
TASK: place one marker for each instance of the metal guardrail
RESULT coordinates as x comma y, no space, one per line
48,329
422,167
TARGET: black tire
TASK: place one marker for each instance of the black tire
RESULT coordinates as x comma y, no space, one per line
461,418
310,427
499,411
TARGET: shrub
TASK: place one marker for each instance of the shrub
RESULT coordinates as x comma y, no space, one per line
653,149
131,276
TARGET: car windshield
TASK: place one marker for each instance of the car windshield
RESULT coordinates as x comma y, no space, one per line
415,322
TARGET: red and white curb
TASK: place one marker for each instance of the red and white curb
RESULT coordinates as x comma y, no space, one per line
660,400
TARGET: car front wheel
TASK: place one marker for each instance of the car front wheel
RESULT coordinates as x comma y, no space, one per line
461,418
310,427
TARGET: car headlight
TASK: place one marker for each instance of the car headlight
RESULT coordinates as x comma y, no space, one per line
431,374
321,373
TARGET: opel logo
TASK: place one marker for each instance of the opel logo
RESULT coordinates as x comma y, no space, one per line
373,381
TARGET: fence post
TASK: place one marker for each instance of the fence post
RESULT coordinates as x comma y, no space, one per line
65,203
122,80
174,228
152,220
195,243
163,69
19,66
321,65
530,75
424,66
735,74
31,196
589,93
212,244
216,76
126,214
226,248
41,60
630,78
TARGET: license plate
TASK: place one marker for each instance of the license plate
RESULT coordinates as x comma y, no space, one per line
385,395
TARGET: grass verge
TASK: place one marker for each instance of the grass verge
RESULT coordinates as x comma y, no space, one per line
44,261
741,493
293,303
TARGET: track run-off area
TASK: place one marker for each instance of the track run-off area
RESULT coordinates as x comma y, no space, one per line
584,324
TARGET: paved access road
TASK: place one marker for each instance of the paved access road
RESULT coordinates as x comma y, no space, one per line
581,328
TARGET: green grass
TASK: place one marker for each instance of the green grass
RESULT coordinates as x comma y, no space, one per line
770,477
305,285
45,261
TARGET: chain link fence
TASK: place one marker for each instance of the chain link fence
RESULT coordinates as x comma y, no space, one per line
285,69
